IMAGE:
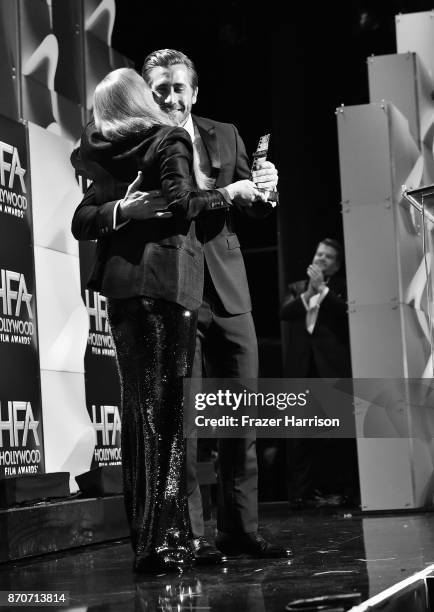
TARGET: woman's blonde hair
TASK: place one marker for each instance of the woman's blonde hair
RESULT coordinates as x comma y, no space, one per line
123,105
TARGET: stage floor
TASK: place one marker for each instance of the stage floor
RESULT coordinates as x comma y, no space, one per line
333,552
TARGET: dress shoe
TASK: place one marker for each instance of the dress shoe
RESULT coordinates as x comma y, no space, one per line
251,544
205,553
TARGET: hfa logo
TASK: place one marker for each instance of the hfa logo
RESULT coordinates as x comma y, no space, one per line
13,293
10,167
108,423
19,424
97,311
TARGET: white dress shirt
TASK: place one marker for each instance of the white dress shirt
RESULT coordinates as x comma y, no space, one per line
312,308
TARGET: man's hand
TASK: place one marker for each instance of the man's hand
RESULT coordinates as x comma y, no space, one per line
316,277
141,205
266,177
243,193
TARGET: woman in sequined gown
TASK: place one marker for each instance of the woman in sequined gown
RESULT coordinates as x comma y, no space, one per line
151,272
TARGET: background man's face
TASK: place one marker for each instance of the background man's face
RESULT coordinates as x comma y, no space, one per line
326,258
172,91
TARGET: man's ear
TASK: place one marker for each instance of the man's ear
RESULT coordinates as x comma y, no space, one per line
194,96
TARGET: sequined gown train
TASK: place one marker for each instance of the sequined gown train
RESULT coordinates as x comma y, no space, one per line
154,341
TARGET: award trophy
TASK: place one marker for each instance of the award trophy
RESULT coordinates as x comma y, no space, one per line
260,155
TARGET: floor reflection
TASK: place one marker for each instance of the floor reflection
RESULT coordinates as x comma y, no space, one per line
333,554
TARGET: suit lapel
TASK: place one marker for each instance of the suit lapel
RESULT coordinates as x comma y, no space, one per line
208,134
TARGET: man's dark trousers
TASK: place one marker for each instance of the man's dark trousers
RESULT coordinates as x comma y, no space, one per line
226,347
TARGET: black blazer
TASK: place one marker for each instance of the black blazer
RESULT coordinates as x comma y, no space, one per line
328,345
223,255
229,163
159,258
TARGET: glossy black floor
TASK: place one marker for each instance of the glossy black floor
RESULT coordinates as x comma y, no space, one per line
333,553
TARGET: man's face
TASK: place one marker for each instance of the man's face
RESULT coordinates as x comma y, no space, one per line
172,91
326,258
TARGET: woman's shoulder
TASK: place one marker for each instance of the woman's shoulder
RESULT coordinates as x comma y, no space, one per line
170,134
88,159
93,144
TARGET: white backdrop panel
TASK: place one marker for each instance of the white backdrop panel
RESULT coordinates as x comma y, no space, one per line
415,32
403,80
389,460
376,342
62,317
365,178
55,192
373,278
68,432
387,341
376,151
50,110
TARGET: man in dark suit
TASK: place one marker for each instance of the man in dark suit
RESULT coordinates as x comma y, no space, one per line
318,347
226,344
317,311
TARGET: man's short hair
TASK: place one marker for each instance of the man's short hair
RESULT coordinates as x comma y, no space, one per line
168,57
334,244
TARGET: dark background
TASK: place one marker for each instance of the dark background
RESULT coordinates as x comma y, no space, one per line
279,67
274,66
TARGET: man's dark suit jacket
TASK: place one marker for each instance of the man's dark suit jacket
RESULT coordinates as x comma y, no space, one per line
229,163
328,345
159,258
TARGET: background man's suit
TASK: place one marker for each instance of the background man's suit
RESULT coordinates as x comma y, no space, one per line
324,353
